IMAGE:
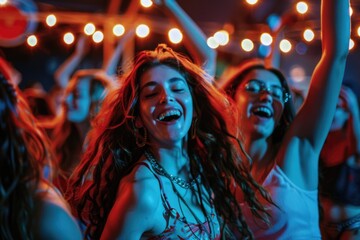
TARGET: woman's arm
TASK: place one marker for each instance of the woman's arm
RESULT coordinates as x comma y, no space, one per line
310,127
133,212
194,38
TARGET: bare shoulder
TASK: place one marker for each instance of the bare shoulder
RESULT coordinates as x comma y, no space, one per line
138,197
52,218
144,188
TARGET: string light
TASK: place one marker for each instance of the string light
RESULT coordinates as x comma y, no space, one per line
308,35
89,29
175,35
351,44
252,2
222,37
142,30
118,30
69,38
32,40
212,43
302,7
146,3
247,45
98,37
51,20
266,39
285,46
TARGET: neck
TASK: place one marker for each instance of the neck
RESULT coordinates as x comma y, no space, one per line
174,160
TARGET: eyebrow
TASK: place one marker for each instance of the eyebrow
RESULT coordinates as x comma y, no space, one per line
153,83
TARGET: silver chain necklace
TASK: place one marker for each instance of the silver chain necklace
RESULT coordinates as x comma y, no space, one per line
161,171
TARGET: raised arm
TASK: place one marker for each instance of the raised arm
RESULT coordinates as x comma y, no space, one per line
299,153
194,38
314,119
110,66
67,68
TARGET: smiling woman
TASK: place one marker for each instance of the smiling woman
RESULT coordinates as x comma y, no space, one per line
170,157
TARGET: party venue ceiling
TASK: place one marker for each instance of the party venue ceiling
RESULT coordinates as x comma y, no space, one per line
240,19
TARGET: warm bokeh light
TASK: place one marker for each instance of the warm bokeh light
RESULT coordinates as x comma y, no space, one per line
351,11
89,29
146,3
212,43
252,2
285,46
69,38
297,73
302,7
98,36
351,44
142,31
222,37
358,31
51,20
266,39
118,30
32,40
3,2
175,35
308,35
247,45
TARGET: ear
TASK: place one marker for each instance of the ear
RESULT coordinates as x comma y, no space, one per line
138,122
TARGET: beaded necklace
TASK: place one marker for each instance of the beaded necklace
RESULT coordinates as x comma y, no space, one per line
175,179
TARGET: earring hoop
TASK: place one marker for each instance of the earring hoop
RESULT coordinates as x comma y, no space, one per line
139,139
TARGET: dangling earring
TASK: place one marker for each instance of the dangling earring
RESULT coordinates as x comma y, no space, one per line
140,140
193,128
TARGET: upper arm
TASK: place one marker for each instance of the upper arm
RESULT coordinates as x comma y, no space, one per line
133,211
53,221
314,118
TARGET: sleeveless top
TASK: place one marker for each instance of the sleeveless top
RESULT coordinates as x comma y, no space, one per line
296,214
177,226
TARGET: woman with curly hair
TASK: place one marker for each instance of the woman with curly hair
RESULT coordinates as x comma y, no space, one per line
284,148
82,100
162,159
30,207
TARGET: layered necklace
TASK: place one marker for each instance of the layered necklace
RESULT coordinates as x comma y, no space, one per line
182,183
174,179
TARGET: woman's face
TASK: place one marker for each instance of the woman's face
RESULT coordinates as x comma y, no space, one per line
165,105
78,101
260,100
341,115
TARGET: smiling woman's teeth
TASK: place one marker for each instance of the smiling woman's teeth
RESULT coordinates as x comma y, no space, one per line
171,113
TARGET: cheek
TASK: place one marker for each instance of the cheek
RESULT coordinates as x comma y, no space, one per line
278,111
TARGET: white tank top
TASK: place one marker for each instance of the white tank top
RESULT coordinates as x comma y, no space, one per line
297,214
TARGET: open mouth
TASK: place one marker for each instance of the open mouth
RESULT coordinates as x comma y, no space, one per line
263,112
169,115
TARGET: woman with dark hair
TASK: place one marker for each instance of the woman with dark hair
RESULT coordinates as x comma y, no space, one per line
83,97
30,207
284,150
162,158
340,171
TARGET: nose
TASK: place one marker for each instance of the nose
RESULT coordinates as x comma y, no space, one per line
166,97
265,95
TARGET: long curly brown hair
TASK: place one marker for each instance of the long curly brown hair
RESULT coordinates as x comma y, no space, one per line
23,153
112,151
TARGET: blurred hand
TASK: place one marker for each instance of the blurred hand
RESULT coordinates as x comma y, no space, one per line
351,101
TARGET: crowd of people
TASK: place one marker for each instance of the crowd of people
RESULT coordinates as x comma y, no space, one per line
167,151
